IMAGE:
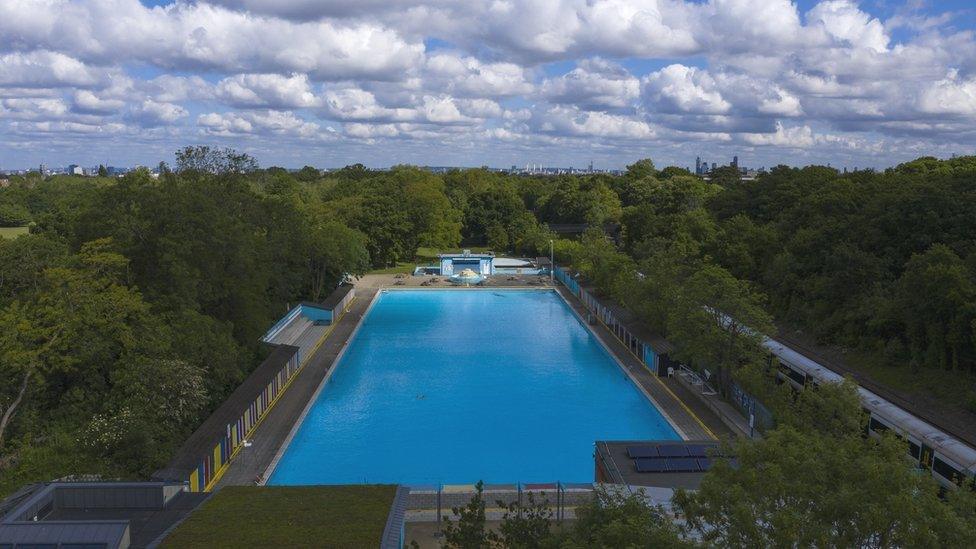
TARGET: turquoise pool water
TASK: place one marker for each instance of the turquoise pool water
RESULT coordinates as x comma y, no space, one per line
456,386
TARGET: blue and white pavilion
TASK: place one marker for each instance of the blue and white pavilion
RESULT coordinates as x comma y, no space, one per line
482,264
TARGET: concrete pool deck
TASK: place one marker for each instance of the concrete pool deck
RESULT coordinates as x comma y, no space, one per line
247,467
686,412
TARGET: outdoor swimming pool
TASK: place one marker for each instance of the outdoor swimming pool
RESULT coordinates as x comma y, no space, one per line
456,386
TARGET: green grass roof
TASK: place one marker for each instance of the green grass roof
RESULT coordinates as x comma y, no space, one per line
288,516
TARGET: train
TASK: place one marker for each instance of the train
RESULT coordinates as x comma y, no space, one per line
951,461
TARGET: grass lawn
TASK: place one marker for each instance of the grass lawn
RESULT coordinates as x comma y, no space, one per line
288,516
425,256
12,232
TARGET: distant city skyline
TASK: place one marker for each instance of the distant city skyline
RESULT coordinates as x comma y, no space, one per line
849,83
701,166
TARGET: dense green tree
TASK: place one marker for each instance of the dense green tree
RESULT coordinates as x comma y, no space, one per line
674,171
641,169
615,518
354,172
717,323
386,225
210,160
527,525
634,191
610,270
22,260
334,251
14,215
153,404
817,481
587,201
936,304
68,335
497,205
308,174
741,245
497,238
468,530
436,222
725,176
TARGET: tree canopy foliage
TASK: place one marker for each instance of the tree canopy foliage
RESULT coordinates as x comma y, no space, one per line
136,304
818,481
144,285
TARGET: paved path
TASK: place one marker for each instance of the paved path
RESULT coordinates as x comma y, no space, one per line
272,432
693,417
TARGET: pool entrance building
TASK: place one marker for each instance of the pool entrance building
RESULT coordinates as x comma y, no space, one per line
482,264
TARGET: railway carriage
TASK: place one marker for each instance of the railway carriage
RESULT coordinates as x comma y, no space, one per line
951,462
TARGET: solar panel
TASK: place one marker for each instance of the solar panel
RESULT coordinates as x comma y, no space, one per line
641,452
672,450
683,465
700,450
704,464
651,465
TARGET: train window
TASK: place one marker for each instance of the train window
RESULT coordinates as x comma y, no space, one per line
914,449
947,471
798,377
877,426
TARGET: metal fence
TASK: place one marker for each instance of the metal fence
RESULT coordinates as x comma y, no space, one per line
643,350
748,406
745,403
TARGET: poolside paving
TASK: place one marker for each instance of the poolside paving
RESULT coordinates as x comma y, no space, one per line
695,419
247,467
688,413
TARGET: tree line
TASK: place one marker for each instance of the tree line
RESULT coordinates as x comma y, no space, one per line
137,302
880,264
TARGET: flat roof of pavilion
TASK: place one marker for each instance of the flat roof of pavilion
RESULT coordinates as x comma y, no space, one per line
463,255
622,465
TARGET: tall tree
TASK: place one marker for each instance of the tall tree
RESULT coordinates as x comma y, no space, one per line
718,322
69,334
816,481
936,304
210,160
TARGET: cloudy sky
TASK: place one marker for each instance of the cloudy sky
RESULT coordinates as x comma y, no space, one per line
488,82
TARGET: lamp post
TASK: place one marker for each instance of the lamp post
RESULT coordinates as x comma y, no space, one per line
552,264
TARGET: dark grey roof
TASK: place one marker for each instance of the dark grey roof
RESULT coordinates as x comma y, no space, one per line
337,296
111,533
630,321
116,514
622,470
14,500
203,439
